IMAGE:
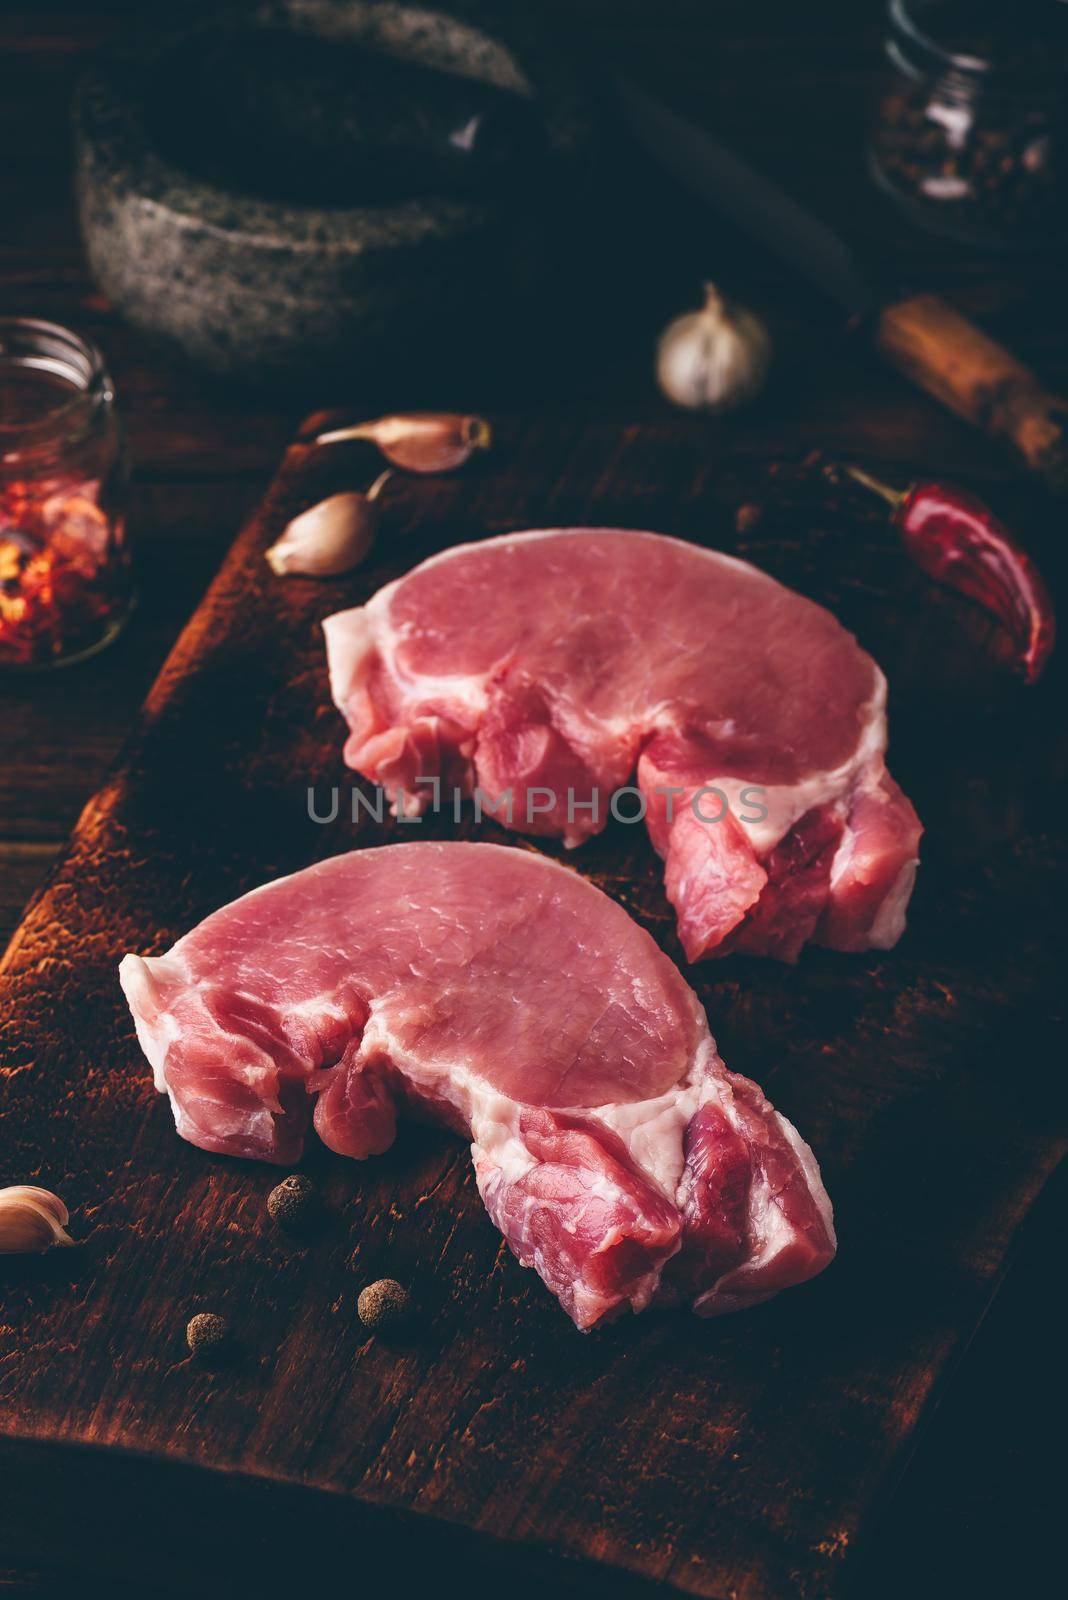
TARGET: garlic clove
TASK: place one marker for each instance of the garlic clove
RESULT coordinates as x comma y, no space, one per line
423,441
716,358
331,537
43,1197
31,1220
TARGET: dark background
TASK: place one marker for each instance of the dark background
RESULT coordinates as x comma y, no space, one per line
788,85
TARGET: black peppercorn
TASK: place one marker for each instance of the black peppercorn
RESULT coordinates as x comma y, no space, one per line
385,1306
293,1203
969,134
208,1335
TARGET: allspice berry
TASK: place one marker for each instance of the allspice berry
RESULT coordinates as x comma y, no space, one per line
385,1306
293,1203
208,1336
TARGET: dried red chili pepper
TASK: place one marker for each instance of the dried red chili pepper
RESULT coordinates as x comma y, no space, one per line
958,541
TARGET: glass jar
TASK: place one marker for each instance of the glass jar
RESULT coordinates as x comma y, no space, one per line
968,132
66,582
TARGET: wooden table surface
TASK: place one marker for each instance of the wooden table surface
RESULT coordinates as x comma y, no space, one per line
789,86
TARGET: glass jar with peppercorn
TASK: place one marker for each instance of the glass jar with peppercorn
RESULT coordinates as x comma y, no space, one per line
66,583
969,131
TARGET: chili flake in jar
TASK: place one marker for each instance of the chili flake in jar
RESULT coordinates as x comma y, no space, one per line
66,580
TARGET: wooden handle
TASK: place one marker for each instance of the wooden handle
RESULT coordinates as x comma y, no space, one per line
951,358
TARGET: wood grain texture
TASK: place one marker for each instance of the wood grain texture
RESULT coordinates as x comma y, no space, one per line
788,87
736,1458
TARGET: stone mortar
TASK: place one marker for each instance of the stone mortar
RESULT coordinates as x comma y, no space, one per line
250,288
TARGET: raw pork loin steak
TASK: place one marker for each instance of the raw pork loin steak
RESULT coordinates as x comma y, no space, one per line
497,992
555,665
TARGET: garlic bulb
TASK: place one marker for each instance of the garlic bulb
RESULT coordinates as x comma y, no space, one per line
715,358
421,441
331,537
31,1220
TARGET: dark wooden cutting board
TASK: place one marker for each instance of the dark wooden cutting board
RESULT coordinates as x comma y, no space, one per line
741,1457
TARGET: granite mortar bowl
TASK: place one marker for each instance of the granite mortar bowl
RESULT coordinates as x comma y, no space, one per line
260,289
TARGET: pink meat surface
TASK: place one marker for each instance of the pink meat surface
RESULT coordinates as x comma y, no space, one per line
556,667
497,992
